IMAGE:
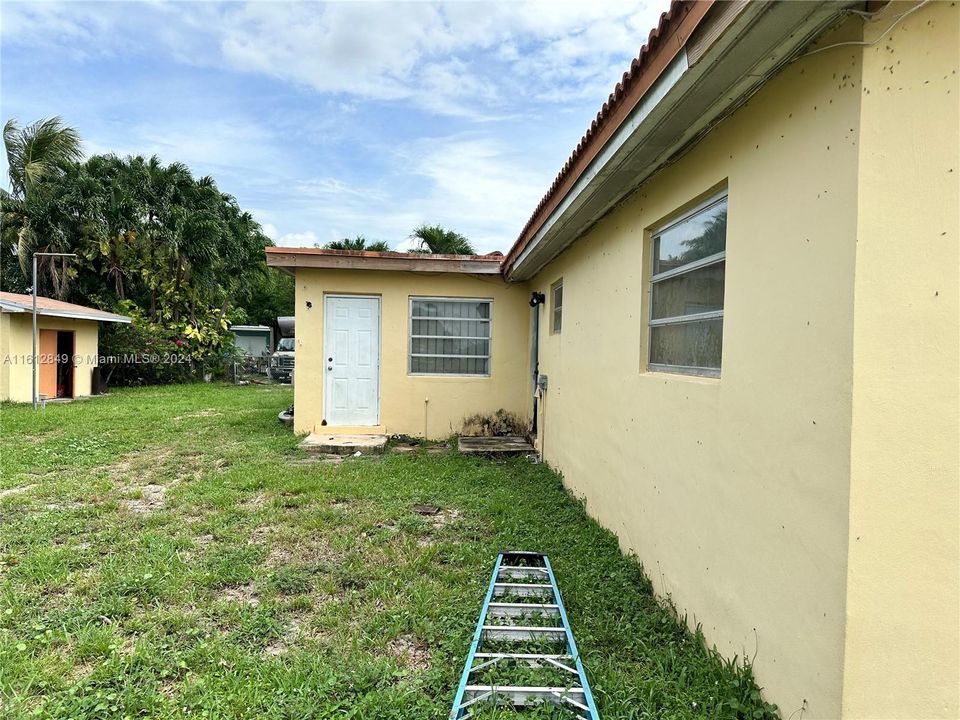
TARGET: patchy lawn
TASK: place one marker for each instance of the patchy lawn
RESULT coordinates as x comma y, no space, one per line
168,552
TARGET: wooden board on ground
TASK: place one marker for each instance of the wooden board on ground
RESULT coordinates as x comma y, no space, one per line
509,445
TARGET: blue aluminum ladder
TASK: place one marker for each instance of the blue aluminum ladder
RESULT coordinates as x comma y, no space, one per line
526,580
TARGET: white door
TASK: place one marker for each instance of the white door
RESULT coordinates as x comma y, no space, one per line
351,360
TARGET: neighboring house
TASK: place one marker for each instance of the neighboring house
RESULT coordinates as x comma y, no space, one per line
751,340
254,340
67,347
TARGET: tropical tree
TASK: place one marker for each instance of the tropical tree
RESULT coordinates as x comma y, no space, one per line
151,241
38,151
437,239
359,243
36,155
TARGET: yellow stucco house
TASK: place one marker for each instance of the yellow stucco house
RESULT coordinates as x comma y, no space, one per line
67,347
743,344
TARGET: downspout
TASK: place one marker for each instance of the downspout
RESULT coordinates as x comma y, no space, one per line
536,300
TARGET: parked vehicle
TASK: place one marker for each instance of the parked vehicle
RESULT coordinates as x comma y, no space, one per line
282,359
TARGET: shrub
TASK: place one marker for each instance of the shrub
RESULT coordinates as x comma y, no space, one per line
499,424
148,353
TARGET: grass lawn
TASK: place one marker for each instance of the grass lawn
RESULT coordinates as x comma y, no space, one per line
169,552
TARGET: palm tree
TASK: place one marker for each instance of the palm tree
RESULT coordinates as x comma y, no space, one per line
36,154
437,239
359,243
38,151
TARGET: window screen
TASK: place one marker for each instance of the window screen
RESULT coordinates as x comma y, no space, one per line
556,291
687,288
449,337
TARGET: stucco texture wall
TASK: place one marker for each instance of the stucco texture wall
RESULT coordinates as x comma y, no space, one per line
415,404
903,602
16,348
733,492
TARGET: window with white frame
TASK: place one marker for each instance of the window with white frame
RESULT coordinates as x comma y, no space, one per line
686,290
556,306
449,336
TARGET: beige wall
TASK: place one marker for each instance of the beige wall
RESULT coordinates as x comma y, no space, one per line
403,397
16,348
733,491
903,589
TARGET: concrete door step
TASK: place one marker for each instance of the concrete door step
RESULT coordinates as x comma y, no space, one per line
344,444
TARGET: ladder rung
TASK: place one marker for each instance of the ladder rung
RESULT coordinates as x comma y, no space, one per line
522,656
523,589
521,695
512,572
520,632
522,609
531,659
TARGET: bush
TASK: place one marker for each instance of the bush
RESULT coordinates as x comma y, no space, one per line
147,353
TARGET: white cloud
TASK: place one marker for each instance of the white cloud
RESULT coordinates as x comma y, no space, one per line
299,239
438,55
270,230
458,58
361,117
471,183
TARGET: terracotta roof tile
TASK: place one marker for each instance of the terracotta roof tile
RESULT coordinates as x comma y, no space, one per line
622,95
494,257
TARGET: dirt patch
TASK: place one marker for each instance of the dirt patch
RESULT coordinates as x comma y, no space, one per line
80,671
445,517
32,439
254,503
9,492
282,644
146,464
409,652
208,412
279,556
316,458
152,497
137,475
261,535
295,551
243,594
68,505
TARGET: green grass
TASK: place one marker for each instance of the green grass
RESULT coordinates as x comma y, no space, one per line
175,555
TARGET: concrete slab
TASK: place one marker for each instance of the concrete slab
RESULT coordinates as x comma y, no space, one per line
508,445
344,444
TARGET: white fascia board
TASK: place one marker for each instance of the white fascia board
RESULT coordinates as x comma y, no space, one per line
9,307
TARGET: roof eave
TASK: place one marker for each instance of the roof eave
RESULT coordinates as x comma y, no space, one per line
688,96
41,312
293,259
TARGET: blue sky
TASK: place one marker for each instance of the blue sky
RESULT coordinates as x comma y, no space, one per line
328,120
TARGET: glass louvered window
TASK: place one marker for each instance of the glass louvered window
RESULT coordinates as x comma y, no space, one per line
449,337
687,288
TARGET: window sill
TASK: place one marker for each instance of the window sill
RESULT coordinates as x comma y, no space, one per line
452,376
703,378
